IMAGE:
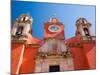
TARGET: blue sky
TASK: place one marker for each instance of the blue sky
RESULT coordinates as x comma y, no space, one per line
42,12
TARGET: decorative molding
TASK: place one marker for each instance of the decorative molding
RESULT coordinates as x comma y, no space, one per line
76,44
88,38
18,41
42,65
42,55
33,45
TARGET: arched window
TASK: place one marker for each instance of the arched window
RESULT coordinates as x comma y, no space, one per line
19,31
86,31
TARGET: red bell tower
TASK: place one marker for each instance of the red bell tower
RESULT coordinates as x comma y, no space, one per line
53,29
24,47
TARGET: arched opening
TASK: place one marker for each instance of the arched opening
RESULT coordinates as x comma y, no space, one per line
86,31
19,31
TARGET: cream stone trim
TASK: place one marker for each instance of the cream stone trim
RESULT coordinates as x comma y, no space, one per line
20,59
43,64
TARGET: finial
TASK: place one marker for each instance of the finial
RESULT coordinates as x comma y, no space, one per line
53,16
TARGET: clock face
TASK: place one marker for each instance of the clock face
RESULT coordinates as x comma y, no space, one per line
53,28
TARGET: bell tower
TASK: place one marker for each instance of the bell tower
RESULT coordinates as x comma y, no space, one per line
24,47
83,28
22,27
53,29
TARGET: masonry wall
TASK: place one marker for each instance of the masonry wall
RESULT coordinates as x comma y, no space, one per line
90,51
15,57
79,58
23,58
28,64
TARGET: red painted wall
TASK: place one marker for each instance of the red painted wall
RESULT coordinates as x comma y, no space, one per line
28,64
15,55
84,57
79,59
90,51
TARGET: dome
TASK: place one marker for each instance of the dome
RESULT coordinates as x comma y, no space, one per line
81,21
25,18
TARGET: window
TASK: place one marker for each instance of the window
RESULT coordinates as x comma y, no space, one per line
19,31
86,31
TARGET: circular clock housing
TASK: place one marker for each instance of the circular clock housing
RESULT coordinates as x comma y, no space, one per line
53,28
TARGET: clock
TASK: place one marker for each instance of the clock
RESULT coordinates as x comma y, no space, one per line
54,28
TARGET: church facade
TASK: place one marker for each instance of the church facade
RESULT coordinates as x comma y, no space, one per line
53,53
